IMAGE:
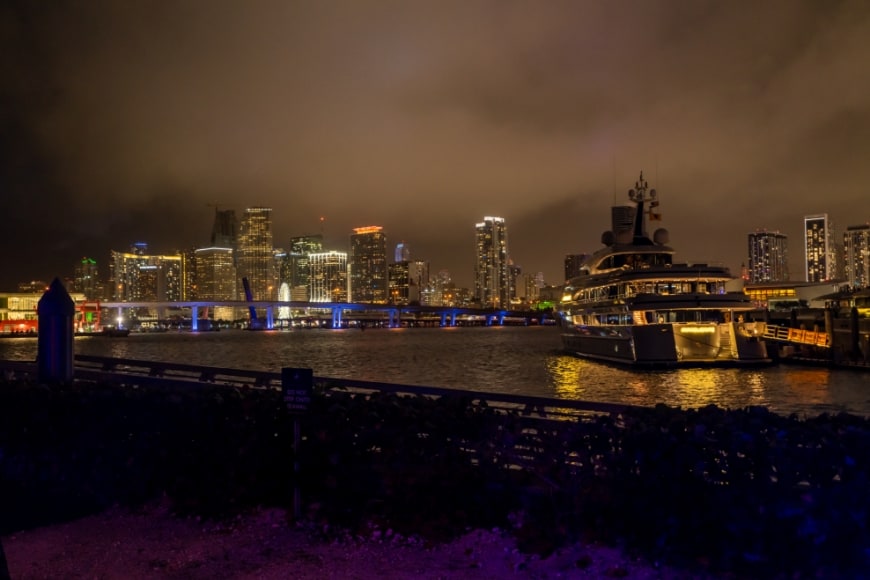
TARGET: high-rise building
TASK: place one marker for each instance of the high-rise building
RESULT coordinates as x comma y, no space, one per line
255,260
572,265
856,244
408,281
141,277
491,279
514,272
328,281
306,244
403,252
87,279
768,257
297,263
188,274
216,274
368,265
821,255
531,289
225,230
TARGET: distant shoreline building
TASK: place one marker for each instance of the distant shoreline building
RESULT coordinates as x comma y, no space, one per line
572,265
768,257
86,279
141,277
299,270
820,250
225,229
856,245
255,258
491,275
368,265
329,277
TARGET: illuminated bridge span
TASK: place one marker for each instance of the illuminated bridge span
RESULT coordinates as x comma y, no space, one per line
797,336
391,312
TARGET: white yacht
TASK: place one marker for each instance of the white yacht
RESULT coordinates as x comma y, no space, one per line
632,304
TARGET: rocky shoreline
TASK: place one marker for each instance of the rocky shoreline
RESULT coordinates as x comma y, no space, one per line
152,543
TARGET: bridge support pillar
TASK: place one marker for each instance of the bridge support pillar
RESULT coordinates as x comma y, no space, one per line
194,318
270,318
336,318
394,318
501,318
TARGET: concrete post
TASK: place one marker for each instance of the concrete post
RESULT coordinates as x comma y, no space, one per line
54,352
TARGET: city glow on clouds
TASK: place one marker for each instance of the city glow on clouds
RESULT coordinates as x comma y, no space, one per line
130,121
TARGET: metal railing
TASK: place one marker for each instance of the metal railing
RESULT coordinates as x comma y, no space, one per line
133,372
797,336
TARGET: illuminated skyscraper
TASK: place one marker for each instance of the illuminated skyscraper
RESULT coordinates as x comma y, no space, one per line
856,242
491,278
328,280
140,277
216,274
255,260
768,257
408,281
514,273
87,279
368,265
821,256
298,264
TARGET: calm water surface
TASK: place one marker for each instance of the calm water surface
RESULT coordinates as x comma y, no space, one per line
506,360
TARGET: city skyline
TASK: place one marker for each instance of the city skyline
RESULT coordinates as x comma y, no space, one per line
133,121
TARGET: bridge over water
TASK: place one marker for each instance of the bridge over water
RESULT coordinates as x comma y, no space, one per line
338,312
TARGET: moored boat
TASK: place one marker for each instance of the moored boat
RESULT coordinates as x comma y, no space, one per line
109,331
632,304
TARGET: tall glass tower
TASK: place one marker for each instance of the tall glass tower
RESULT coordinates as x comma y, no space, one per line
301,247
368,265
87,278
328,281
255,259
821,256
225,230
140,277
768,257
856,242
491,277
216,274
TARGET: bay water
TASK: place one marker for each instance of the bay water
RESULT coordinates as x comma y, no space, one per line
510,359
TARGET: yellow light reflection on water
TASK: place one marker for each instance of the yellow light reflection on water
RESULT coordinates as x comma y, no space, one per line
690,388
809,384
565,373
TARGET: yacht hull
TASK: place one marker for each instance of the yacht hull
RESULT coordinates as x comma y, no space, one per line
666,345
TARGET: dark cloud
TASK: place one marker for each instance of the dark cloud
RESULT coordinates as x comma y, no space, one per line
124,121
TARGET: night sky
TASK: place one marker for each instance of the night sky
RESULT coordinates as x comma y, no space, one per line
130,121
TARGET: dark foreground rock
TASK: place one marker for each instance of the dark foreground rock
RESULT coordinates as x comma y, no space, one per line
712,491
